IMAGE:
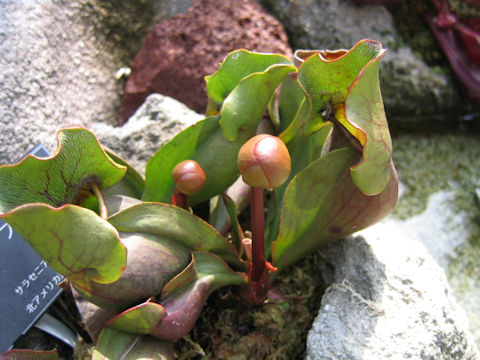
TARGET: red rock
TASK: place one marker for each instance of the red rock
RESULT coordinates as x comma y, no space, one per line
180,52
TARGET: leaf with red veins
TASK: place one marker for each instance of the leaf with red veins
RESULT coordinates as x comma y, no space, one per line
365,114
17,354
347,83
141,319
73,240
184,305
327,75
182,302
174,223
338,208
114,344
57,180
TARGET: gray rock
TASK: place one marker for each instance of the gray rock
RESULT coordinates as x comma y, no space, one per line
155,122
166,9
58,64
408,85
388,300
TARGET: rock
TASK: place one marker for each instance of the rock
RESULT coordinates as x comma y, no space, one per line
166,9
179,52
58,63
155,122
409,86
438,206
388,300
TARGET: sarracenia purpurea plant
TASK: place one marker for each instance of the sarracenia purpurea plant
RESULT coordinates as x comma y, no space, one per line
134,245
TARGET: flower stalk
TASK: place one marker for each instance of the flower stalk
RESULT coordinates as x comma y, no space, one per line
264,163
258,233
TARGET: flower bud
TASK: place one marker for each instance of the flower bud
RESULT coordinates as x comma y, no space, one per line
189,177
264,162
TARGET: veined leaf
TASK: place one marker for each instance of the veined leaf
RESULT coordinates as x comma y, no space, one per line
174,223
184,305
182,301
327,80
347,85
141,319
73,240
364,110
303,152
57,180
132,184
338,208
17,354
119,345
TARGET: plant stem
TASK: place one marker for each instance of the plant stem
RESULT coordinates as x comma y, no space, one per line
258,233
101,201
181,200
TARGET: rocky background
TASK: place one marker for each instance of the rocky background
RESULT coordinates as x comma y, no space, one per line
67,63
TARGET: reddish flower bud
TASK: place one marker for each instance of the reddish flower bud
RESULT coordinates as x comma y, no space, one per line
264,162
189,177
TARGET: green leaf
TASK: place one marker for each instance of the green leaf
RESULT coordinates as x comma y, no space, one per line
321,204
290,99
204,143
152,262
16,354
141,319
236,230
245,106
303,152
302,116
182,300
327,80
364,109
174,223
57,180
132,184
346,85
184,305
237,65
204,264
211,265
73,240
119,345
185,278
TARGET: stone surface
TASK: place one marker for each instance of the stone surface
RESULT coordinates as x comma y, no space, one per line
388,300
439,174
165,9
155,122
58,63
179,52
409,86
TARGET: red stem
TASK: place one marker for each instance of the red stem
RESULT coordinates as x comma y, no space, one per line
258,233
181,200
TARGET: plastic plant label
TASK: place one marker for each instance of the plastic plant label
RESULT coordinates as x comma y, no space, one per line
28,286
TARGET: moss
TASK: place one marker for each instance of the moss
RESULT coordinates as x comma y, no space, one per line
415,33
427,164
463,9
277,330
